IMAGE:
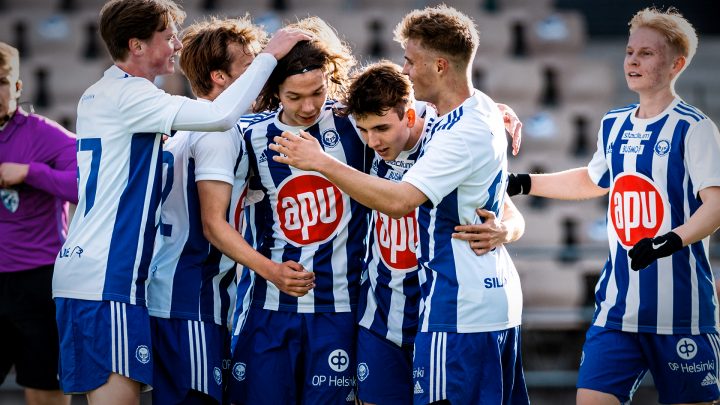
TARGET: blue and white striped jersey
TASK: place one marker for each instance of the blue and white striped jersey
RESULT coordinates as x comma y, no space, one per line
308,219
390,292
107,254
654,169
189,278
463,165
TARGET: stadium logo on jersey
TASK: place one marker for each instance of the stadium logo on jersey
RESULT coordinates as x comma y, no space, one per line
397,240
142,354
686,348
330,138
636,208
363,371
338,360
640,135
217,374
238,371
662,148
309,209
10,199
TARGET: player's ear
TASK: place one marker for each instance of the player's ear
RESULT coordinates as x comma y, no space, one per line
218,77
442,65
135,45
411,117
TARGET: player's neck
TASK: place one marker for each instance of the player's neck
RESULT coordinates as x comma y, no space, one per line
135,69
452,93
653,103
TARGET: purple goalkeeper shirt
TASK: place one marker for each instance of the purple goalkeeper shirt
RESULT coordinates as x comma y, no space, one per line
34,214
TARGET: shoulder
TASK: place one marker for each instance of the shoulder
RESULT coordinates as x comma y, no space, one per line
47,127
256,119
690,113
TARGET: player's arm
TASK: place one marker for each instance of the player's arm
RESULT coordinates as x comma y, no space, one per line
304,152
289,276
573,184
58,178
492,233
226,109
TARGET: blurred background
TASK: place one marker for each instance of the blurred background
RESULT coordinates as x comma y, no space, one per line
558,63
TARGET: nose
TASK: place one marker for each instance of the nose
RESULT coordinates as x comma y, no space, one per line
406,69
373,140
177,43
308,106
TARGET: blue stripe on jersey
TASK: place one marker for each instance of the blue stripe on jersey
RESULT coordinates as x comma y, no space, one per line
606,126
621,280
444,311
602,286
123,248
188,273
682,302
691,108
617,164
622,109
684,110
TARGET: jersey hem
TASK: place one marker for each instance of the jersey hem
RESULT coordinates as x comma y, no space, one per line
305,309
470,328
658,331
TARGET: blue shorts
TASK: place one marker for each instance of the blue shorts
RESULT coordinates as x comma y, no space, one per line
384,370
469,368
102,337
189,356
293,358
684,367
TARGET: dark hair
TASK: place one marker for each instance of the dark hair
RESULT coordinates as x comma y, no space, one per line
378,88
205,48
325,51
122,20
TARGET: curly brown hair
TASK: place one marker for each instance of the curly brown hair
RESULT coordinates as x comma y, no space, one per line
324,51
441,29
378,88
205,48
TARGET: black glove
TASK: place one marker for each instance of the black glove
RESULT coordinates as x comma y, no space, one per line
518,184
648,250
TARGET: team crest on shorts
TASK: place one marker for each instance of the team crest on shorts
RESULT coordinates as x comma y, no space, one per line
10,199
330,138
239,371
363,371
142,354
218,375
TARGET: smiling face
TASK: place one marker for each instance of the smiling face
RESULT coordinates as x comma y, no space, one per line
302,97
649,62
160,51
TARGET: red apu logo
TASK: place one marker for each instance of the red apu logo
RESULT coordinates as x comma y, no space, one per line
636,208
396,239
309,209
239,208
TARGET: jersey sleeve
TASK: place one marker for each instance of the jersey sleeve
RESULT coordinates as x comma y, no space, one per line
598,167
702,155
146,108
444,166
216,154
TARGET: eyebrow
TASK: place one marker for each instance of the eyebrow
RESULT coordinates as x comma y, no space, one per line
298,94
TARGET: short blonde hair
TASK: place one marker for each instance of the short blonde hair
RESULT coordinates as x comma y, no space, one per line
441,29
678,32
10,58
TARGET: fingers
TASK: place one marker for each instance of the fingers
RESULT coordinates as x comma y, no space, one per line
517,139
485,213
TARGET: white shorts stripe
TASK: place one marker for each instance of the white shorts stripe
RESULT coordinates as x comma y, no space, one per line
203,362
192,354
125,339
112,337
432,367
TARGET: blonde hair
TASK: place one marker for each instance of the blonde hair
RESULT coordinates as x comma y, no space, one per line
677,31
441,29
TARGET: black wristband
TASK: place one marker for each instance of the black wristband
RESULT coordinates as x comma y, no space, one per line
518,184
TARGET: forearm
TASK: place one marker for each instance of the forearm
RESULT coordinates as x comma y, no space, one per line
61,183
373,192
227,240
704,221
226,109
513,220
573,184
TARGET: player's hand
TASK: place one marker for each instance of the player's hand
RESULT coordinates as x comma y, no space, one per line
12,174
284,40
302,151
291,278
513,126
648,250
483,237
